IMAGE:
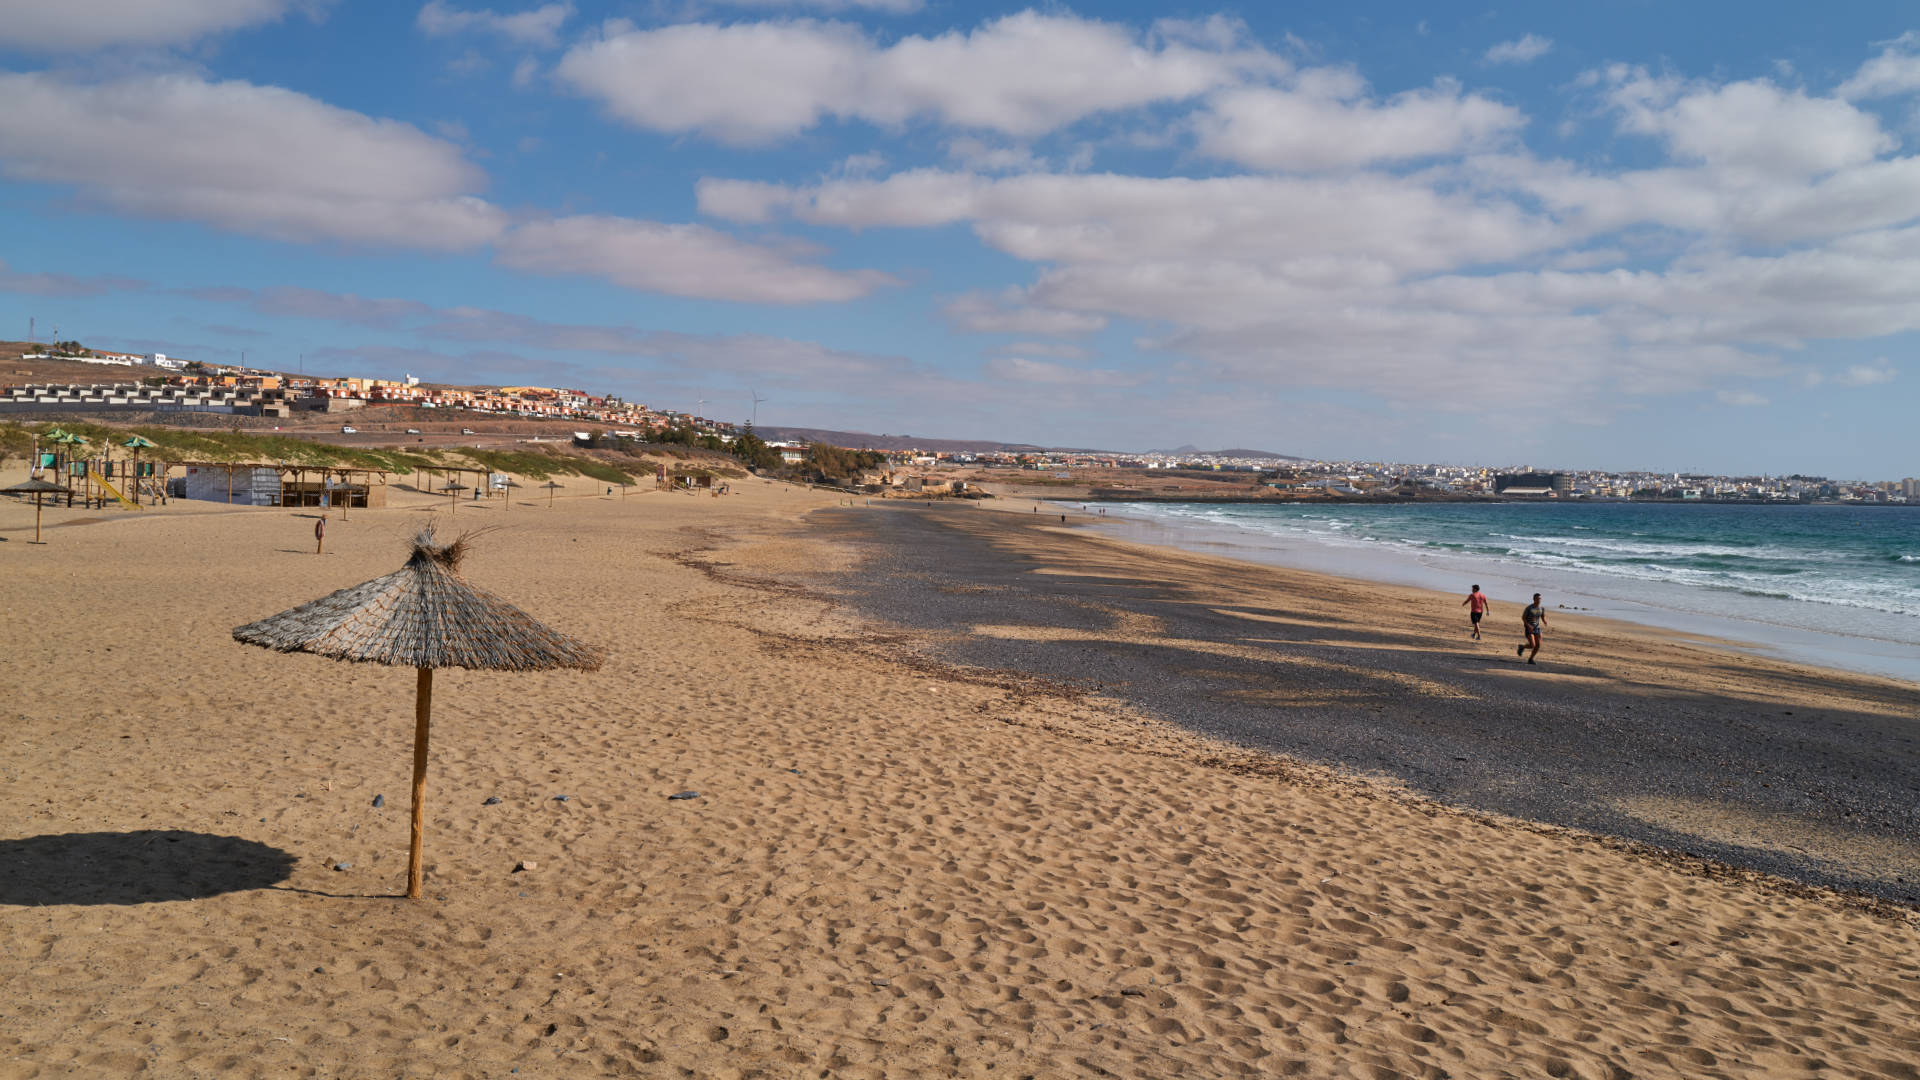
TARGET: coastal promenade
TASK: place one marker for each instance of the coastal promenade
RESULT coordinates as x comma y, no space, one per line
899,862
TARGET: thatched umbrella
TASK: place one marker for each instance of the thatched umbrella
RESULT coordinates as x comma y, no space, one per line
422,616
508,488
552,486
453,488
38,487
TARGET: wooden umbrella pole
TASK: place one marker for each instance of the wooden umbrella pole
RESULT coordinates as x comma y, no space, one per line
422,712
36,517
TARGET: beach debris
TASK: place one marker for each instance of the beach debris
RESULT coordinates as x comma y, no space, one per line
343,866
524,865
491,800
319,971
563,798
880,982
379,801
683,795
1132,991
422,616
795,772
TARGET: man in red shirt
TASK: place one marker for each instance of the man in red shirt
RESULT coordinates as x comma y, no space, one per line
1476,603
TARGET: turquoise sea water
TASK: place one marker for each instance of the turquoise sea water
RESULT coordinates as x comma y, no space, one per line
1829,584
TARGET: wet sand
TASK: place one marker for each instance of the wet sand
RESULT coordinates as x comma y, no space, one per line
1619,729
897,865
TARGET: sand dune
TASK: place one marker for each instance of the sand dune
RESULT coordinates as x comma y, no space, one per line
894,867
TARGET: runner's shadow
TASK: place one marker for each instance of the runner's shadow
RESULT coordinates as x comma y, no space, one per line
146,866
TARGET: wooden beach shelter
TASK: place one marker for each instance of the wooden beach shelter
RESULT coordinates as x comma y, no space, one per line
552,486
37,487
423,616
453,488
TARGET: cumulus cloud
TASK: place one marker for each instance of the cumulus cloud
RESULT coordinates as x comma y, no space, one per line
681,260
538,27
42,283
1010,313
1319,124
1022,370
774,359
84,25
245,158
1770,219
1895,71
1022,75
886,7
290,301
1522,50
1754,124
1873,374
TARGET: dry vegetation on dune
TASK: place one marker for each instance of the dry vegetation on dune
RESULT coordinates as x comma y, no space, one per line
181,444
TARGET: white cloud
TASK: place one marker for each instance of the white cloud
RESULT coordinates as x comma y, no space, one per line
1752,125
1058,349
246,158
82,25
680,260
1022,75
1312,128
41,283
1023,370
1523,50
885,7
1010,313
1743,398
1873,374
1361,228
538,27
1895,71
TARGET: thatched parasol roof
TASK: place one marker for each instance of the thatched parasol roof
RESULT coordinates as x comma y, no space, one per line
28,487
423,615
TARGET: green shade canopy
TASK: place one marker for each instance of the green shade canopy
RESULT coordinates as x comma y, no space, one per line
138,443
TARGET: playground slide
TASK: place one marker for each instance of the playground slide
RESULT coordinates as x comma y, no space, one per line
113,491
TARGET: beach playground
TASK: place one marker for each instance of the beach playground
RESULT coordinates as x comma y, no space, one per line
777,836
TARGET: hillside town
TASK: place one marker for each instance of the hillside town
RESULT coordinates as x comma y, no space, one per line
161,384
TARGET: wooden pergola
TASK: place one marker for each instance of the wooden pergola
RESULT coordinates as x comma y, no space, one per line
330,485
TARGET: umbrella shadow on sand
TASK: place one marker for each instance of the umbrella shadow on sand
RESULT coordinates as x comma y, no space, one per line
146,866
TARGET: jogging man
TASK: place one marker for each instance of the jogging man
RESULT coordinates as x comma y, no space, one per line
1476,605
1534,621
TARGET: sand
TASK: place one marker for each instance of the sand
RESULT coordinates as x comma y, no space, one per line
894,867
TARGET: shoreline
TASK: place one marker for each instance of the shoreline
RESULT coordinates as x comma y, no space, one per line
1595,592
1610,737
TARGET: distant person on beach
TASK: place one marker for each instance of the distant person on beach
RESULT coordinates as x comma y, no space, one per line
1476,603
1534,621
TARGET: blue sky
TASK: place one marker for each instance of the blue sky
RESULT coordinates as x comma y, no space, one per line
1619,235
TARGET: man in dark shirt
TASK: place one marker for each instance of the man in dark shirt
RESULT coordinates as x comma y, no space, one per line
1534,621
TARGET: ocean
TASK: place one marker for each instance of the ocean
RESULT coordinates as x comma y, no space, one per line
1836,586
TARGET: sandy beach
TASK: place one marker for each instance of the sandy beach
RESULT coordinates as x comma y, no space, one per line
906,857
